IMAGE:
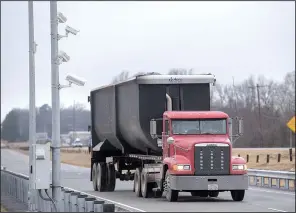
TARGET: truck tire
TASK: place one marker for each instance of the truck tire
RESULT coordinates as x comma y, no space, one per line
170,194
200,193
101,177
94,176
213,193
137,181
237,195
111,177
158,194
144,185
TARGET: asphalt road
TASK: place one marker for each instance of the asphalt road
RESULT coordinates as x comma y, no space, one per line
256,199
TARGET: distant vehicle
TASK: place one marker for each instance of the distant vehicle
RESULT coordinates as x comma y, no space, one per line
77,143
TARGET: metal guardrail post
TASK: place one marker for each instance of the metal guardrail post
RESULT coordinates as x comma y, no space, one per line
98,206
62,203
67,194
109,207
81,203
89,204
73,201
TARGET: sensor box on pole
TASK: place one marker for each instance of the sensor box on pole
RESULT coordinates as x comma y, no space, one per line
41,162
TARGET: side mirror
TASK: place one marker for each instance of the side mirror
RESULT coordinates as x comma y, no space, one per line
240,126
170,140
153,131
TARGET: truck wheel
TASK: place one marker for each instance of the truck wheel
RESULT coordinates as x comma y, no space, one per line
213,193
137,181
237,195
158,194
171,195
144,185
111,174
101,177
94,176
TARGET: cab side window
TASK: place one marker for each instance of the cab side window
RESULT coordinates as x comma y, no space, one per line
167,127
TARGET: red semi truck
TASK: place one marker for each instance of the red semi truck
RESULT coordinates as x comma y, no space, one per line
159,131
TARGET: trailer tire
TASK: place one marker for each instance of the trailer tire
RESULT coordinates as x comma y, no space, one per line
94,176
171,195
213,193
101,177
237,195
137,181
111,177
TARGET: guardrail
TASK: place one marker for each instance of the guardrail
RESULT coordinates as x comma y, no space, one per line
272,179
17,186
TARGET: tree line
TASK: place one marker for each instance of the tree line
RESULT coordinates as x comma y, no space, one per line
265,105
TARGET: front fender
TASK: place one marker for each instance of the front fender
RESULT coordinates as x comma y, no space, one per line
178,159
237,161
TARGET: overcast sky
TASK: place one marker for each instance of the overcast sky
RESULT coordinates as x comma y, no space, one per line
224,38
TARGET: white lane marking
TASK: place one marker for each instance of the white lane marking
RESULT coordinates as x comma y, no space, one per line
278,210
276,192
111,201
272,209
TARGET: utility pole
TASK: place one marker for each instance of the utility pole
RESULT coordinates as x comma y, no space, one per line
259,109
32,111
234,96
56,143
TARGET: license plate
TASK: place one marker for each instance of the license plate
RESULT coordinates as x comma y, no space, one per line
212,187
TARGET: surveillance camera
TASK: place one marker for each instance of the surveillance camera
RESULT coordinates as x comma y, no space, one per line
75,80
63,56
61,18
71,30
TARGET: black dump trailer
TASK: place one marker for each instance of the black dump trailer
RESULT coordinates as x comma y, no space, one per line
121,113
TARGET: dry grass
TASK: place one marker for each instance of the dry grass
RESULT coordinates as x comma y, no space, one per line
285,164
80,157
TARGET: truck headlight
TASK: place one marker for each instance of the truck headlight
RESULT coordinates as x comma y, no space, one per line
239,167
181,167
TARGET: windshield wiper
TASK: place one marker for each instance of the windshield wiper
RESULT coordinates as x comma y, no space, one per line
207,133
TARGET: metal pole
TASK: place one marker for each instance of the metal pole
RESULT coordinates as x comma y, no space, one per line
32,111
56,143
259,112
291,139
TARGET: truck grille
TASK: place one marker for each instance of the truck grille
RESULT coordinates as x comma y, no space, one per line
212,159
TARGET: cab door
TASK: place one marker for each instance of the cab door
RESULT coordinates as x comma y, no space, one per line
165,135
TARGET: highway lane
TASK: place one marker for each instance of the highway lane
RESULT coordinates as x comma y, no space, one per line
256,199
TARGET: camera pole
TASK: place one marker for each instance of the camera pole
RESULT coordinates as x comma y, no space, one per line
32,111
56,143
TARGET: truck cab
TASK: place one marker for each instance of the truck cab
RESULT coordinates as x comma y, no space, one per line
197,154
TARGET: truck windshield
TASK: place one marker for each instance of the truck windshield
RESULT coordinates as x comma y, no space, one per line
196,127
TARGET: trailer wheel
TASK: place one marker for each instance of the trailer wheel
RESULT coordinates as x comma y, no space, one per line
171,195
94,176
237,195
213,193
111,177
101,177
137,181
